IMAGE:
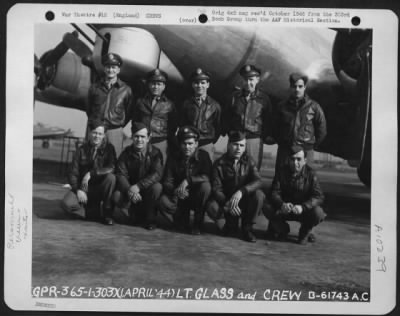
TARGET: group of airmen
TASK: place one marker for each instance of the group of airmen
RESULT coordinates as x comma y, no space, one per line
170,167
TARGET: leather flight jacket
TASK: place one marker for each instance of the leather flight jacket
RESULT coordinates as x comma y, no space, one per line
251,114
86,159
112,106
161,118
303,189
226,179
302,123
143,169
196,169
205,117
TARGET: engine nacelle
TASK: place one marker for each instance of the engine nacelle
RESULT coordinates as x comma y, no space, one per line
66,83
347,57
71,75
138,48
351,58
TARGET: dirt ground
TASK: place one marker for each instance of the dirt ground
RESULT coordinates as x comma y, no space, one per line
74,253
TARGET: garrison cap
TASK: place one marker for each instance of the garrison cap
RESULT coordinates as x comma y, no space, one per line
137,126
186,132
93,124
294,77
111,59
236,136
199,74
294,149
249,71
157,75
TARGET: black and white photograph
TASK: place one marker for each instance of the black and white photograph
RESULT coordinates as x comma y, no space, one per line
211,159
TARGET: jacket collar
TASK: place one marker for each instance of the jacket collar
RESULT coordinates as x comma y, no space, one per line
148,97
297,104
301,174
206,100
88,147
254,95
229,160
195,156
117,83
134,152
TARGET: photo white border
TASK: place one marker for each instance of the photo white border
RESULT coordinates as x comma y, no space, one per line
21,19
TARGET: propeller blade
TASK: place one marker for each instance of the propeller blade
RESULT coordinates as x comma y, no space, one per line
54,56
76,45
37,66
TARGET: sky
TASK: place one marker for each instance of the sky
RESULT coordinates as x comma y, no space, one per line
55,116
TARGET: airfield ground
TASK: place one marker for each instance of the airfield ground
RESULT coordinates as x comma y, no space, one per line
68,252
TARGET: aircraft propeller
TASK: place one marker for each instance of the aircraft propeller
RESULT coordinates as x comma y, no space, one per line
45,67
76,45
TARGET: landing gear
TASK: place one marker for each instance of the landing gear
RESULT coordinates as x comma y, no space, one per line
46,144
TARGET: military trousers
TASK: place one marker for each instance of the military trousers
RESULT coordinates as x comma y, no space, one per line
250,205
116,138
144,211
255,148
308,218
99,190
180,209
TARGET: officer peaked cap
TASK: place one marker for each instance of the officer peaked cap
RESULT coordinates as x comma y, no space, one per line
111,59
236,136
157,75
186,132
137,126
199,74
294,77
249,71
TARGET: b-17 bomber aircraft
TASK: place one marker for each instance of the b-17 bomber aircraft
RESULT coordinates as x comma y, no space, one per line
337,61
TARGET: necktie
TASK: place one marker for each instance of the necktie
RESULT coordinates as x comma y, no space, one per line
248,96
154,101
108,84
94,152
236,165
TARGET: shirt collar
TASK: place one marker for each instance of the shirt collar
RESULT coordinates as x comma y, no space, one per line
116,84
195,156
299,175
144,152
252,95
201,98
298,103
149,97
231,161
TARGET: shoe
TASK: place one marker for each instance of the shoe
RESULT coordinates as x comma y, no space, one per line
151,226
229,231
180,223
249,236
278,231
271,235
282,236
168,217
304,234
108,221
311,238
195,231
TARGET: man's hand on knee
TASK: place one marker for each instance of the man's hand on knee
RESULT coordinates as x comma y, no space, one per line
297,209
82,196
